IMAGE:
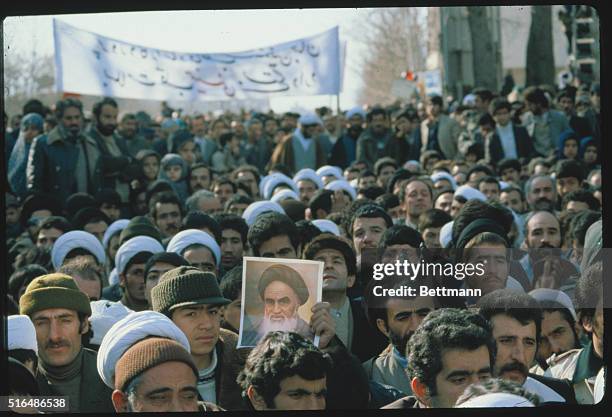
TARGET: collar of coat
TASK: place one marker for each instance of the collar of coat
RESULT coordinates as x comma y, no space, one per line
56,135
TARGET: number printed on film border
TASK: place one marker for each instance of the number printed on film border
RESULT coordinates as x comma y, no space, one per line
40,403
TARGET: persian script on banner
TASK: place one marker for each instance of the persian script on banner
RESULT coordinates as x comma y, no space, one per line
88,63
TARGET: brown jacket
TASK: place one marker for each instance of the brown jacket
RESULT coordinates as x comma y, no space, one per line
231,362
283,154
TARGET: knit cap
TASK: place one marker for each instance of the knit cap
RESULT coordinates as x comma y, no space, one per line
185,286
147,354
53,291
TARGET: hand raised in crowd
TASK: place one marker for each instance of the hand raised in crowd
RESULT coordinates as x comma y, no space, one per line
339,200
322,323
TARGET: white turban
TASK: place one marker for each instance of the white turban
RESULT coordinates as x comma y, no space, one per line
116,226
446,234
342,185
496,400
327,170
113,278
309,119
470,193
186,238
284,195
548,294
259,207
357,110
21,333
73,240
134,246
129,330
273,181
104,314
503,185
444,176
325,225
308,174
413,163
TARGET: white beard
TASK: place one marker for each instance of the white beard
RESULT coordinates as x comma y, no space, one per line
286,325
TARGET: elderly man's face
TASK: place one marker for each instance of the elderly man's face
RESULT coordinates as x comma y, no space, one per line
168,387
281,302
541,187
58,333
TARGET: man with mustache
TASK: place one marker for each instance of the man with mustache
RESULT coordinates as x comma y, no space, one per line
282,291
397,318
66,160
340,268
166,212
193,301
60,311
540,188
516,319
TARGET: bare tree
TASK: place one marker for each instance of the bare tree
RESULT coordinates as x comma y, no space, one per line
395,40
540,56
483,48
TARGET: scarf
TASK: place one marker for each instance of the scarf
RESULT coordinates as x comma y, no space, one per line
17,166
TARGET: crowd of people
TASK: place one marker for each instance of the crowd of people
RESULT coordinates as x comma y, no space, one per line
126,234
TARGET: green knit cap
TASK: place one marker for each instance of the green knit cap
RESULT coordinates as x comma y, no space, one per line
53,291
185,286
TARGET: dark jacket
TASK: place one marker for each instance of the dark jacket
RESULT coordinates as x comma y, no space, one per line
367,148
367,342
494,152
52,164
338,155
404,403
94,396
123,168
230,363
563,387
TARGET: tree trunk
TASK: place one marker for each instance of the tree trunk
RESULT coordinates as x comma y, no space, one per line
540,66
483,49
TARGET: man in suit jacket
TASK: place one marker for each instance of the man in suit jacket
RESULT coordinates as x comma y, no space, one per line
508,140
438,131
543,124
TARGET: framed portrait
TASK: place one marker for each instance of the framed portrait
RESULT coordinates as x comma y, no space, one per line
278,295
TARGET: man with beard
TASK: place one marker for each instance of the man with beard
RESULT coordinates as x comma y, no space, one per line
340,268
344,151
115,154
130,262
516,319
66,160
282,291
397,318
582,365
128,130
166,213
199,177
451,349
540,188
303,149
60,311
377,141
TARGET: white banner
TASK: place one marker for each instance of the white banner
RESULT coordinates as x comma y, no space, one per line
88,63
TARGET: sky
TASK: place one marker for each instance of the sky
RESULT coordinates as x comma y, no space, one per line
206,31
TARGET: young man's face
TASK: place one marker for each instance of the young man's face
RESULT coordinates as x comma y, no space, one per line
248,178
570,149
502,117
111,210
168,218
223,192
188,152
385,174
201,324
133,282
367,182
232,248
157,270
128,127
367,232
431,237
456,206
512,199
47,237
460,368
107,122
567,185
543,231
490,190
516,347
306,190
493,258
417,199
444,202
557,335
335,272
167,387
97,229
278,247
566,104
201,258
58,333
403,318
200,179
511,175
297,393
